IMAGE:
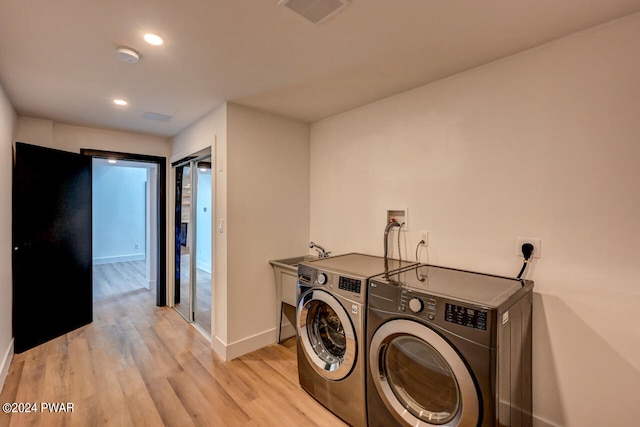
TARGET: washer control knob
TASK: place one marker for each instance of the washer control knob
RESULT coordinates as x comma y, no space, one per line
416,305
322,278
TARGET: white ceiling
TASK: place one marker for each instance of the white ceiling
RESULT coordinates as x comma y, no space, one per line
57,58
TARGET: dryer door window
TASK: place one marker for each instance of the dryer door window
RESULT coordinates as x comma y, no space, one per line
327,334
420,377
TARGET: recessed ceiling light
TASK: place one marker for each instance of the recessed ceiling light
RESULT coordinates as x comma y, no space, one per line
112,161
153,39
120,102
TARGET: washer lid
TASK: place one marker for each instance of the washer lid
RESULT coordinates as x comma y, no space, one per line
478,288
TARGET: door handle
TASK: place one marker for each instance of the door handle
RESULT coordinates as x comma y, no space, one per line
20,246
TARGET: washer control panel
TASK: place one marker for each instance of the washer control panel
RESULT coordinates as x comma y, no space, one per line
322,278
350,284
332,281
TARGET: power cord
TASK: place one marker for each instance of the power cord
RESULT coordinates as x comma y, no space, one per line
527,251
399,251
390,225
418,246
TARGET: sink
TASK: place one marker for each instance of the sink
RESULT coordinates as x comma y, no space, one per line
292,263
286,275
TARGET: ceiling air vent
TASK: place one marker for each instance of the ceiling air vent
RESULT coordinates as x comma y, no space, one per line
156,116
315,11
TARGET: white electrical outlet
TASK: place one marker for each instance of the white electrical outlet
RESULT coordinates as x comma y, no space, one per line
424,236
536,242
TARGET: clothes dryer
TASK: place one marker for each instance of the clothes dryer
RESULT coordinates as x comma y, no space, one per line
331,310
449,348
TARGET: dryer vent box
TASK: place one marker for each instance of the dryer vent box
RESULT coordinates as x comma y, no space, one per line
315,11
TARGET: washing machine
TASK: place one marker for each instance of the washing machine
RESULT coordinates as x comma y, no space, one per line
448,347
331,310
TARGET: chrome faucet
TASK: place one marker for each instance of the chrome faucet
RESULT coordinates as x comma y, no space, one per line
322,253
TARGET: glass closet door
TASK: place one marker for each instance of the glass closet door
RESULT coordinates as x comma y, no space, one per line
202,254
184,242
193,252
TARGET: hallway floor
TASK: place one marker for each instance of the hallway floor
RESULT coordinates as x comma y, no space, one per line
142,365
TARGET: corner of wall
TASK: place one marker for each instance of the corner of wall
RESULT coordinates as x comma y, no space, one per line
244,346
8,135
6,362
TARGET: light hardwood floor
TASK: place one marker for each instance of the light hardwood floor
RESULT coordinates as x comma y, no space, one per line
117,278
142,365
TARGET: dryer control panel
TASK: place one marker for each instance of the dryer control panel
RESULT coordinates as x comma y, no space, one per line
465,316
418,304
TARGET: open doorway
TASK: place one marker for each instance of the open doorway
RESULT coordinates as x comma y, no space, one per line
124,214
129,224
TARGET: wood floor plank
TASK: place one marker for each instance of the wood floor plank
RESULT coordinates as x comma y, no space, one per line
219,370
141,407
279,391
142,365
198,406
169,406
112,398
222,403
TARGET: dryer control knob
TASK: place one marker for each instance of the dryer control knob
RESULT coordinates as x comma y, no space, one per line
416,305
322,278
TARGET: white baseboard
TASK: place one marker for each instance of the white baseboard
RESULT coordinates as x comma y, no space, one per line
541,422
152,284
220,347
6,362
119,258
244,346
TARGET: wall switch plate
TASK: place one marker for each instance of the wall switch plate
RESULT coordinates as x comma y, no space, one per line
536,242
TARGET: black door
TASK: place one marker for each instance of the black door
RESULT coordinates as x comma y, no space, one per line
52,253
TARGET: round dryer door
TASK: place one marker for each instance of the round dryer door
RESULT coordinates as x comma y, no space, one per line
327,334
421,378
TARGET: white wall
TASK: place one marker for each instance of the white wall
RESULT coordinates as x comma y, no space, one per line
262,196
7,129
119,213
268,215
72,138
541,144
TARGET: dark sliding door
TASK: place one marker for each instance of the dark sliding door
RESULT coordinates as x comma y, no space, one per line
52,249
